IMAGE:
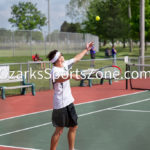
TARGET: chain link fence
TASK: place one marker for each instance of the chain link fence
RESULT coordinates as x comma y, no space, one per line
27,43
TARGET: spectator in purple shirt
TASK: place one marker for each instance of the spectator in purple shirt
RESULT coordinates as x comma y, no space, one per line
92,54
114,53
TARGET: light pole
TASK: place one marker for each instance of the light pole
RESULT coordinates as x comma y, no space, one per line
130,16
142,30
48,17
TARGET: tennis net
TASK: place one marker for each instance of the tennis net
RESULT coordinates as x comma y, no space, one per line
138,76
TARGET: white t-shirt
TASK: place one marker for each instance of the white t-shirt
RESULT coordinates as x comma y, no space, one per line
62,91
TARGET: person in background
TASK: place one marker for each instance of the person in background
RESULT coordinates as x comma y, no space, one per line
92,54
114,53
36,57
107,52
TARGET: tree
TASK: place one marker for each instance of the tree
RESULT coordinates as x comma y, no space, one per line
25,16
135,30
130,16
135,19
70,27
76,9
147,22
114,19
64,27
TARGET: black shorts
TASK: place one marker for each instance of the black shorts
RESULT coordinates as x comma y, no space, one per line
65,117
92,56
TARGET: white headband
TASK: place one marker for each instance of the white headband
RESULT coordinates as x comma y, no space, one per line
57,55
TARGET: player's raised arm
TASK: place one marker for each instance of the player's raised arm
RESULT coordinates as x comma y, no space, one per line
79,56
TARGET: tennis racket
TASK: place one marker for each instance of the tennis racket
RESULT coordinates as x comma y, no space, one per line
107,72
88,73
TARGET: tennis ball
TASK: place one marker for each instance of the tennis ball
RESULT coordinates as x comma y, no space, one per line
98,18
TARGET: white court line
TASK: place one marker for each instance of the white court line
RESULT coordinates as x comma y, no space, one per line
93,112
132,110
99,100
19,147
26,115
41,125
109,108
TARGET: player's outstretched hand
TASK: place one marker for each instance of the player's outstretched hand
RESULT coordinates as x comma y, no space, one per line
89,45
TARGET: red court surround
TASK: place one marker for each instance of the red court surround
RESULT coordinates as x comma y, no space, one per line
21,105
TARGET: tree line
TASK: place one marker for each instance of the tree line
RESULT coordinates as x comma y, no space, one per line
119,19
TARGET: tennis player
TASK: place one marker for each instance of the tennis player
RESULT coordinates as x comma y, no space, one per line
64,113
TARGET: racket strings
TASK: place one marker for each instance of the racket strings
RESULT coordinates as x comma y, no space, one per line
107,72
110,72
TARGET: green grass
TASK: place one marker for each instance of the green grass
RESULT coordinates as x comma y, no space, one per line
121,52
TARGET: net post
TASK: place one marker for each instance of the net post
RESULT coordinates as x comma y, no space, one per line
127,76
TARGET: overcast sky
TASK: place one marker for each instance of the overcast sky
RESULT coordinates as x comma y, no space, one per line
57,13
